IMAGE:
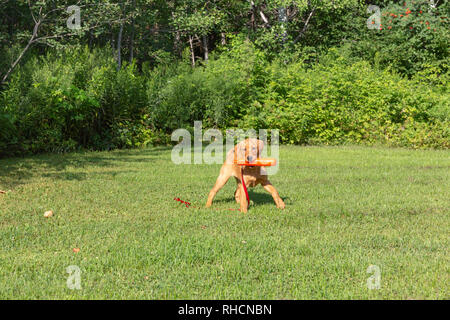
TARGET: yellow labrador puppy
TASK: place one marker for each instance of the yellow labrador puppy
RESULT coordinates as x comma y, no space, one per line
249,150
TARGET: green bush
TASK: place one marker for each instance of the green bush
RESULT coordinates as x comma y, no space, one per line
412,37
8,137
73,99
78,99
341,101
216,93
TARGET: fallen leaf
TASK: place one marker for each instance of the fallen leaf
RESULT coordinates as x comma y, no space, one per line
76,250
2,192
48,214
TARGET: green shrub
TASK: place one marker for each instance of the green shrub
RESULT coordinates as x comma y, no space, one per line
78,99
216,93
8,137
73,99
341,101
412,37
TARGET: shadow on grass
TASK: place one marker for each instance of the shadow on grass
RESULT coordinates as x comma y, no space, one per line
18,171
80,176
264,198
258,198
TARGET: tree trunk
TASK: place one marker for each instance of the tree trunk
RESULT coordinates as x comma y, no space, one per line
205,47
16,62
305,27
131,48
191,45
252,18
224,38
261,14
177,43
119,48
282,17
113,46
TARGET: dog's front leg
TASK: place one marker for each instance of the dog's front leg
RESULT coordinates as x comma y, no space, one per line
220,182
276,197
237,193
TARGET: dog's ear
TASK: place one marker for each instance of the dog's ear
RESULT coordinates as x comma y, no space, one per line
239,150
239,147
260,147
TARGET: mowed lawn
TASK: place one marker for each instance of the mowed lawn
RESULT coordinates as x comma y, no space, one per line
346,208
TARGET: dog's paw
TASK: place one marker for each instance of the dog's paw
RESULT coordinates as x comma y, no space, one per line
281,206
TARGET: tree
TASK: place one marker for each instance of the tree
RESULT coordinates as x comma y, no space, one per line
49,23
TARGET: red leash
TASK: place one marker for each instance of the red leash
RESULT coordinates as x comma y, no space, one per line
245,187
188,204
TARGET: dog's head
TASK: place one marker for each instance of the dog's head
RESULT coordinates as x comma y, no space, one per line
248,150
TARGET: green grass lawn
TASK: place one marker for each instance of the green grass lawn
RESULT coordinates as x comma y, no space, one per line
346,208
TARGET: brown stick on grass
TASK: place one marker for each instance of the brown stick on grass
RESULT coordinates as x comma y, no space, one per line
2,192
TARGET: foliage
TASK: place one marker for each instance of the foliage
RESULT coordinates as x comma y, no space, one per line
74,99
341,101
412,37
218,93
7,133
312,69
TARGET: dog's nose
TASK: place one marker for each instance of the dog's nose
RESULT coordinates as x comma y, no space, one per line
249,158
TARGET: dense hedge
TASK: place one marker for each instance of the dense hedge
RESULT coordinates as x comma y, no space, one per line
77,99
338,101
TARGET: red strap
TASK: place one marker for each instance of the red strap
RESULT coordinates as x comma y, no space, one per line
243,184
188,204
